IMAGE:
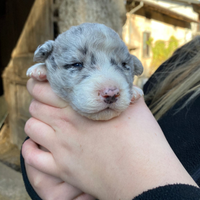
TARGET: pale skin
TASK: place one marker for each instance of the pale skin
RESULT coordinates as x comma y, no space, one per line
115,159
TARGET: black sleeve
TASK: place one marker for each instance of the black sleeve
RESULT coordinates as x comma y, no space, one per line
171,192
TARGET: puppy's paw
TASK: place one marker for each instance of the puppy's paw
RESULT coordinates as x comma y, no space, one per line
137,93
37,71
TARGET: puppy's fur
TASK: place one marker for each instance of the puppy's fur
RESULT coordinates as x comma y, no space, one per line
84,61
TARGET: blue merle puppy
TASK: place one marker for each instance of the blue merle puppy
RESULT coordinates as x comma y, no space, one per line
90,67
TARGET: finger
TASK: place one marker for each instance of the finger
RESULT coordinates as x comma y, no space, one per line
52,186
84,196
137,93
70,192
42,92
45,113
54,117
40,133
40,160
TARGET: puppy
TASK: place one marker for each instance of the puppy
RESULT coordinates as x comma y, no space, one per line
90,67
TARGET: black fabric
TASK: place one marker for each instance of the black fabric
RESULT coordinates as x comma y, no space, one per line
171,192
181,129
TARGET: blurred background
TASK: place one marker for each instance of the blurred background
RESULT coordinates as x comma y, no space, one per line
151,29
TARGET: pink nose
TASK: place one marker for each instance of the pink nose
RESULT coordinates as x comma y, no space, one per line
110,95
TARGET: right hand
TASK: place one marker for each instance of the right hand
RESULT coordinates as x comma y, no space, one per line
116,159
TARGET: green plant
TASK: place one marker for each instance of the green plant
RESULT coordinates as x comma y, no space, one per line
161,50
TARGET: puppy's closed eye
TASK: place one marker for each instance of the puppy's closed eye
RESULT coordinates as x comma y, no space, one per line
74,65
77,65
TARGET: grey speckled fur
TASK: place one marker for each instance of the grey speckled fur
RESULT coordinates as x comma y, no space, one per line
103,60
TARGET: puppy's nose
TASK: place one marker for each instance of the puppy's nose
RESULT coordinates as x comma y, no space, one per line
110,95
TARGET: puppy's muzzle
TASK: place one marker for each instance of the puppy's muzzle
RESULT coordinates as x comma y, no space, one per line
110,95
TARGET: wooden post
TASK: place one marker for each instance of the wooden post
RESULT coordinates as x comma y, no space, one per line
47,19
38,28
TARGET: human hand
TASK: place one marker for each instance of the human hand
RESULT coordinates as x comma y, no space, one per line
114,159
45,185
49,187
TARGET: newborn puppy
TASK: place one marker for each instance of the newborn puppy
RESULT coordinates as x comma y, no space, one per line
90,67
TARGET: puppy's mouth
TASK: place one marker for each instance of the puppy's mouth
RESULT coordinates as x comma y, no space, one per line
104,114
106,110
109,108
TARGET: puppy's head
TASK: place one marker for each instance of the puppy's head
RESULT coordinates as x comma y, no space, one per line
90,67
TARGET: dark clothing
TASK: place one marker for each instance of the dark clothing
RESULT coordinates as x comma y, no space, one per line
182,131
171,192
182,128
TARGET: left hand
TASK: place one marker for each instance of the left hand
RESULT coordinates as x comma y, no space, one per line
49,187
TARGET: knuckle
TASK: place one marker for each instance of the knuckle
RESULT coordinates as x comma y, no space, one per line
37,90
28,158
28,85
63,125
27,153
32,107
37,182
33,87
28,126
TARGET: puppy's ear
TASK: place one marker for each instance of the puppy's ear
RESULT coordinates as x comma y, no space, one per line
43,51
138,68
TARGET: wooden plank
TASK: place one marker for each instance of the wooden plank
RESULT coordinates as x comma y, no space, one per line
162,17
163,10
189,1
3,110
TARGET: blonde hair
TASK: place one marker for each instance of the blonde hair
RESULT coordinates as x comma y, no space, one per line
182,77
